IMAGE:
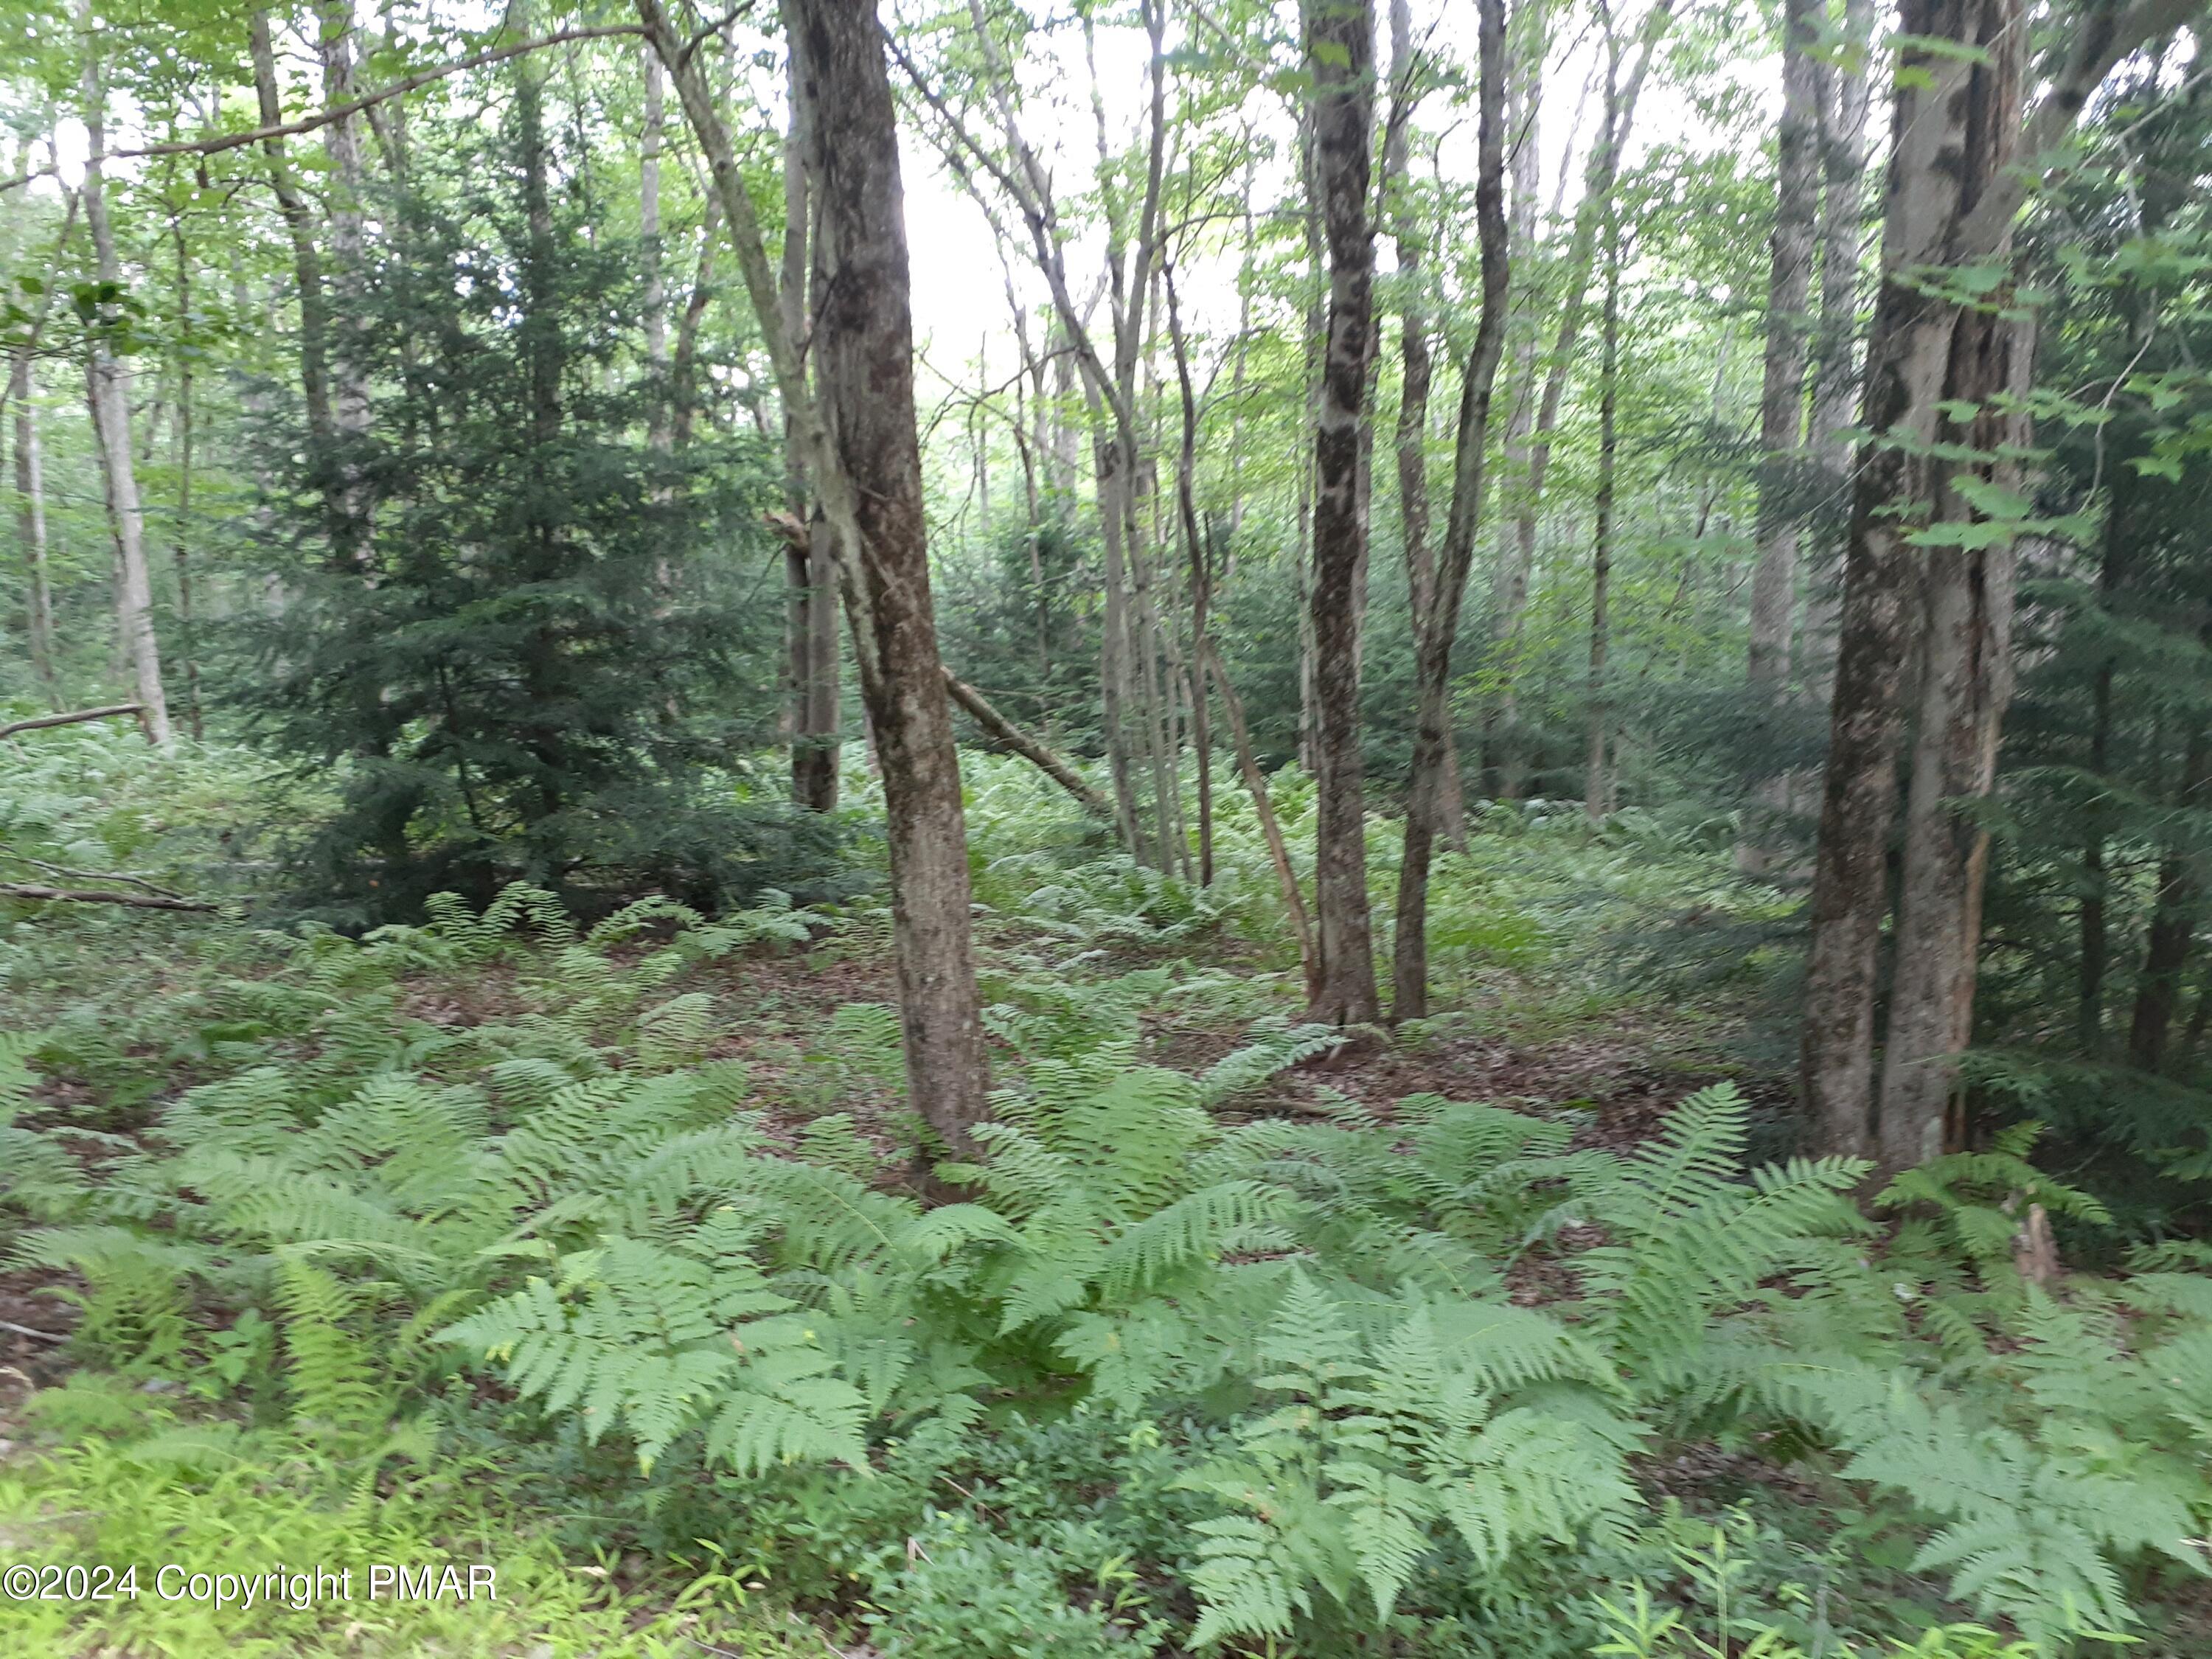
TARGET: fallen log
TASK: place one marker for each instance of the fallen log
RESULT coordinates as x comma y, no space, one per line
70,718
41,892
1025,745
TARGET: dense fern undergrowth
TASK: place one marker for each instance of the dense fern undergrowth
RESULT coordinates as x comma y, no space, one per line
588,1252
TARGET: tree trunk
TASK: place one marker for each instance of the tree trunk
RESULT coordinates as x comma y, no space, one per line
31,531
1436,628
1782,391
1416,373
109,385
863,348
810,566
182,549
1956,125
1341,51
2177,909
1601,178
307,261
1201,582
2095,945
1597,789
998,726
348,372
1843,107
1270,829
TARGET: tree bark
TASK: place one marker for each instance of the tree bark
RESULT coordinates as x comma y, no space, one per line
1201,581
1597,789
862,348
1340,53
1028,747
31,531
1271,829
348,372
1600,179
810,569
2176,911
1842,107
109,385
306,260
1417,370
1956,125
1436,628
1782,390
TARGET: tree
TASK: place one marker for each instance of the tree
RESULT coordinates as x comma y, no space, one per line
1437,621
1946,364
108,382
1340,52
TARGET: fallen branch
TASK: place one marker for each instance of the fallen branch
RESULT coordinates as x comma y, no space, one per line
32,1330
1025,745
70,718
68,874
1255,784
41,892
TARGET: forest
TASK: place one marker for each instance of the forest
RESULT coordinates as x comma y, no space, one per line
1057,828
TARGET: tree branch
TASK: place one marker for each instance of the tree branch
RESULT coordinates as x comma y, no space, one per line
1025,745
44,721
2110,32
41,893
340,111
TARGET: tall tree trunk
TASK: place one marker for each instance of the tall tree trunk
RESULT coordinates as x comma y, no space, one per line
1525,46
109,385
1201,581
182,548
1597,788
1782,391
1340,54
1436,628
656,297
306,259
1842,106
1417,369
2177,909
1956,127
31,531
2095,945
349,370
1602,179
862,348
1270,829
810,566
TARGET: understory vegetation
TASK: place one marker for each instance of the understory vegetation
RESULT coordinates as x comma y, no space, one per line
590,1251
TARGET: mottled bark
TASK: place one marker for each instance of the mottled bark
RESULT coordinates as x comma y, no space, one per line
810,562
986,715
1597,786
863,349
108,384
306,259
1956,123
1782,388
31,531
1437,625
2176,910
354,528
1340,54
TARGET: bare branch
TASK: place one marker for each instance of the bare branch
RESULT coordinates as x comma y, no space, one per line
37,891
339,112
42,721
